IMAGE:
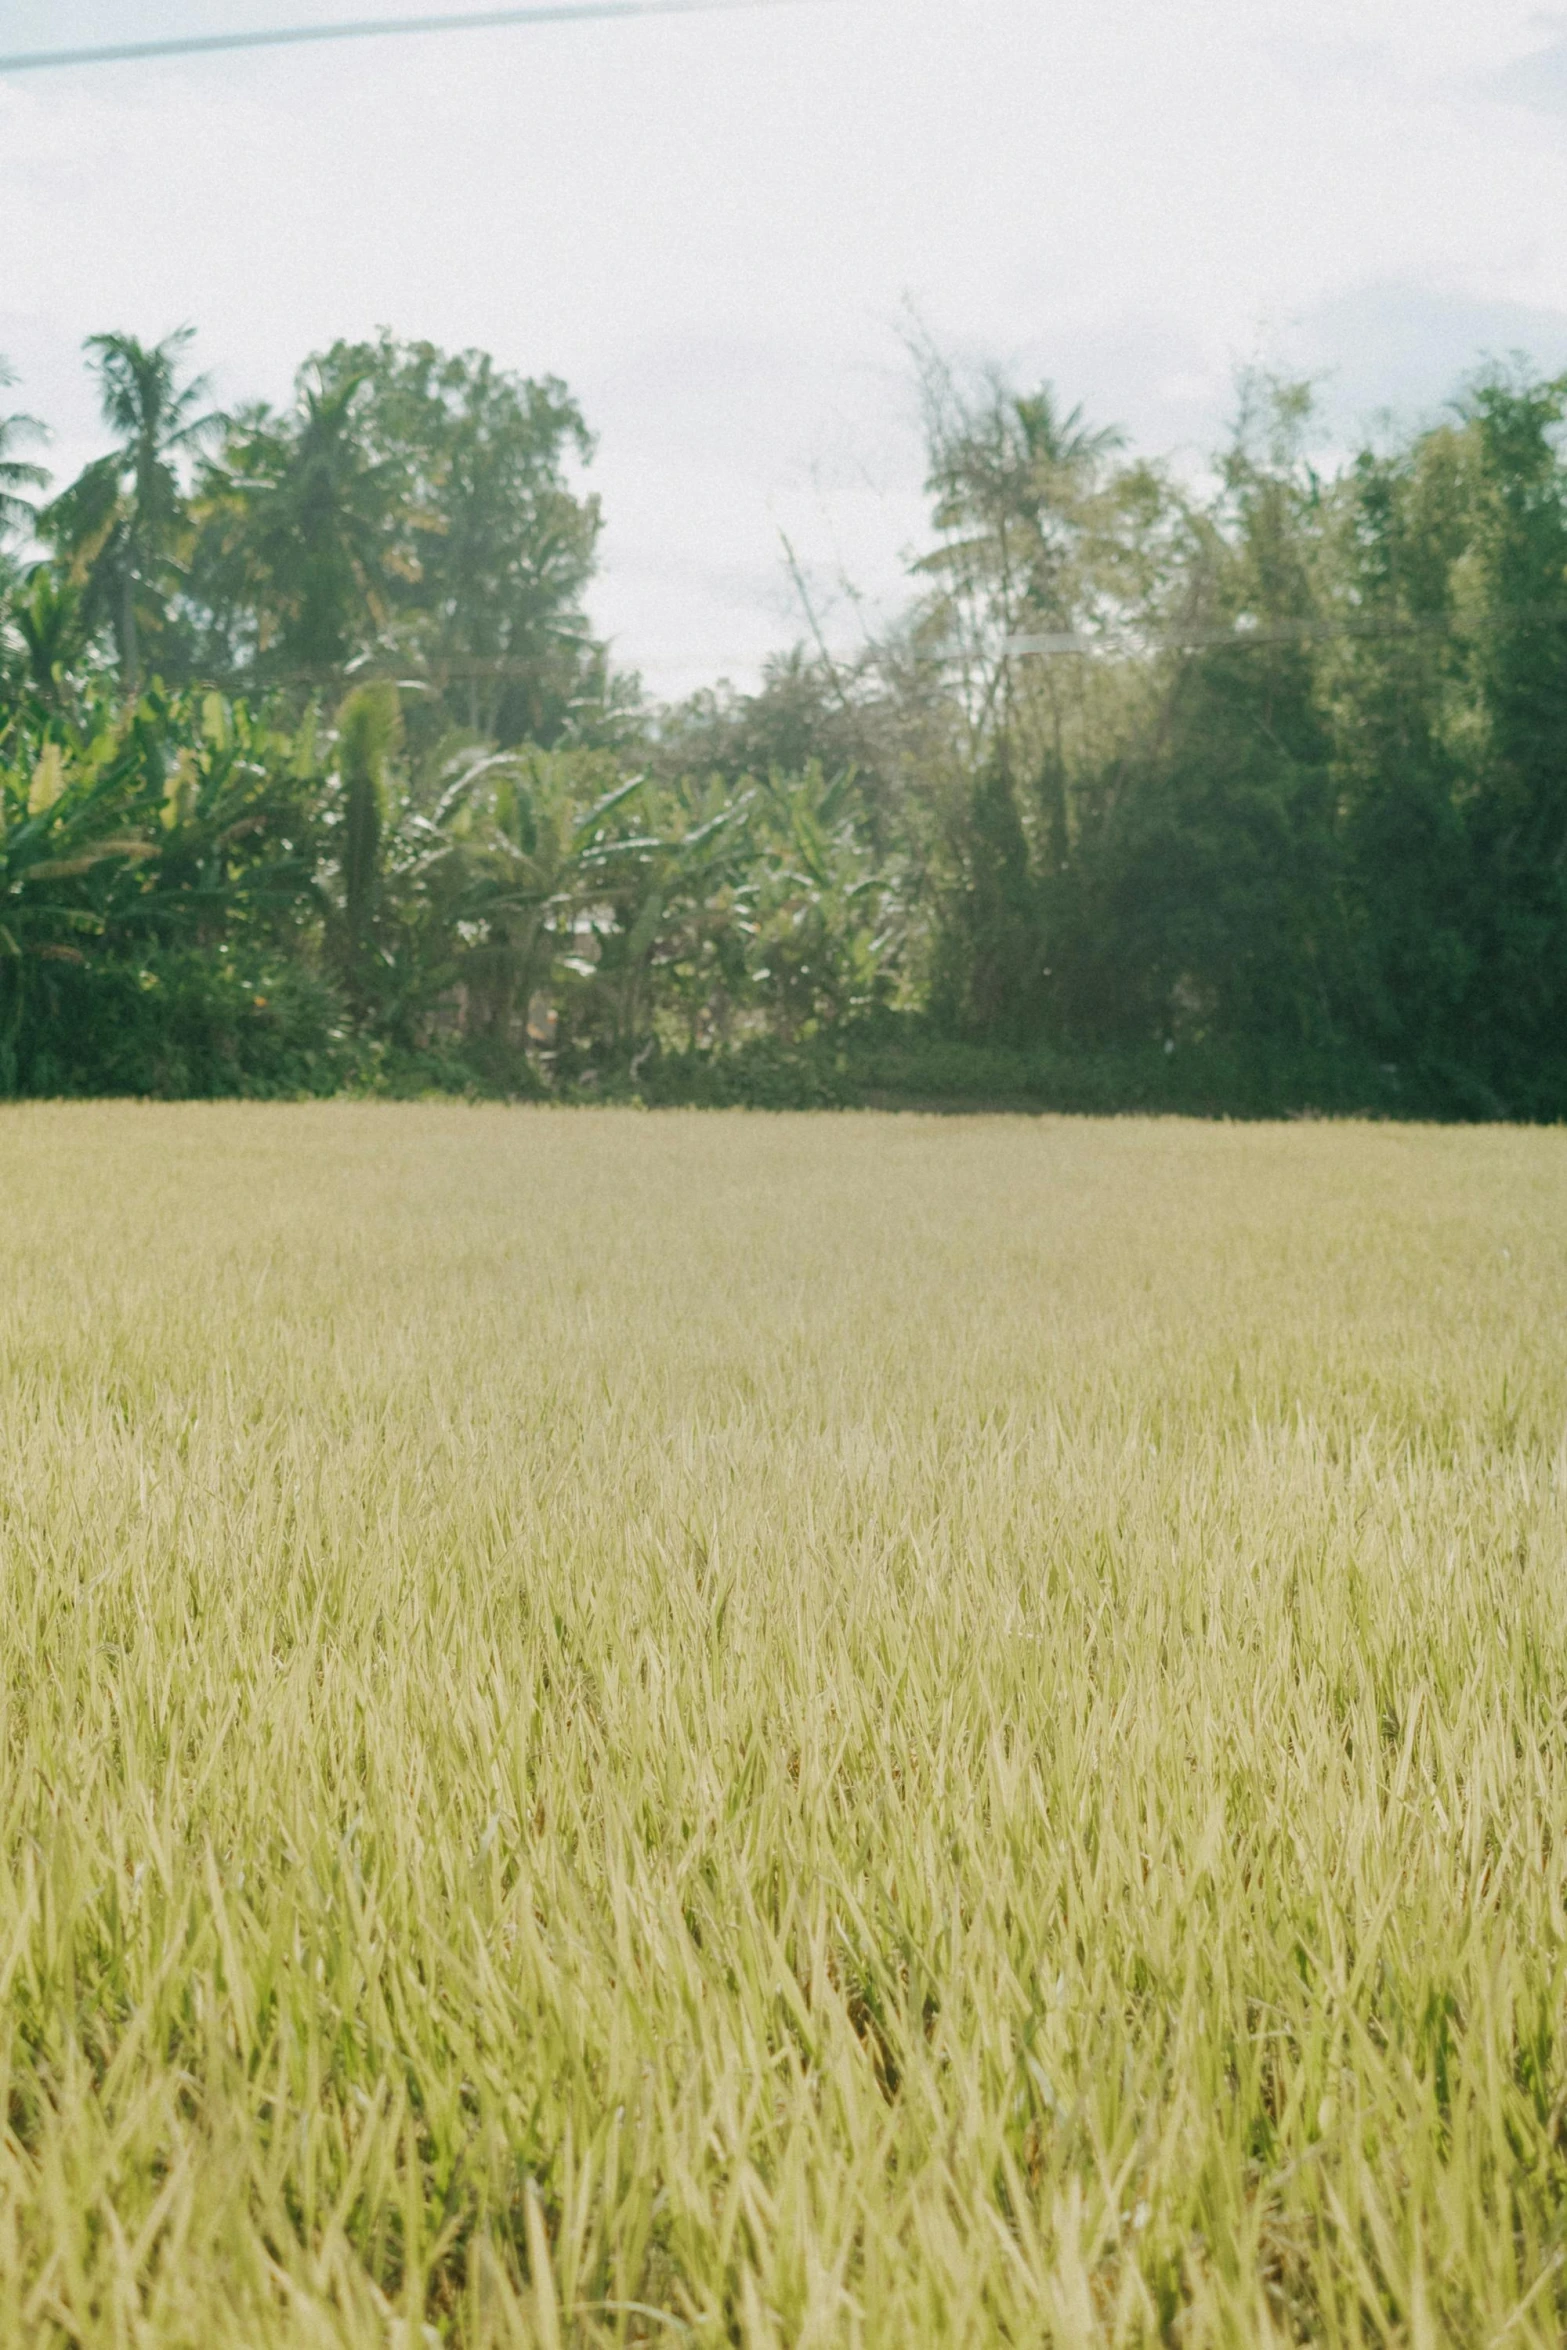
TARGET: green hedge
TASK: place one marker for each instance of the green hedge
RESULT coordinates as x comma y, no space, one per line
906,1064
187,1025
179,1024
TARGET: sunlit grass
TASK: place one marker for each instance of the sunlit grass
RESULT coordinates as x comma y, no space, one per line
873,1731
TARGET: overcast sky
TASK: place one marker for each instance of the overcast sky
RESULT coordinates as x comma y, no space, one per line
714,227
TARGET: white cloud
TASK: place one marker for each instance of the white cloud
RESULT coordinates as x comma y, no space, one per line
709,226
1537,80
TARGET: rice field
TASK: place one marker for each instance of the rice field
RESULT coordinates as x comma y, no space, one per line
865,1731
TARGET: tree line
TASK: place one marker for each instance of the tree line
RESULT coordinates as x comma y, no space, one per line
1239,791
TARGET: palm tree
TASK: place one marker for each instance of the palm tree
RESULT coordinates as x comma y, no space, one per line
1012,475
120,521
46,611
16,473
309,510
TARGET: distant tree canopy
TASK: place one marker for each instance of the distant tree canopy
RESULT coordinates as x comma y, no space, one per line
312,772
407,506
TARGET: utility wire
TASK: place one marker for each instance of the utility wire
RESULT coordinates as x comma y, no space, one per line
384,668
1055,645
369,28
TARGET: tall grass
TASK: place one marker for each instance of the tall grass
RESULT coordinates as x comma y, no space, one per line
630,1728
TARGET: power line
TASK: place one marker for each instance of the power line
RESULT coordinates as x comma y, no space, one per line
369,29
1058,644
438,673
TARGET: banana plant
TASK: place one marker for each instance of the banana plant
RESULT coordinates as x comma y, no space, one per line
487,878
46,614
552,873
669,887
236,807
826,922
73,828
172,821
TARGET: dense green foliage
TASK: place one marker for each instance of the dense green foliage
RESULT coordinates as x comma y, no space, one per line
1249,795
